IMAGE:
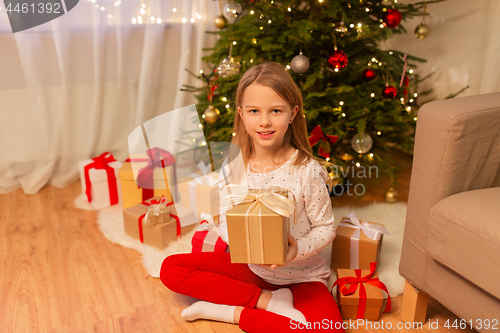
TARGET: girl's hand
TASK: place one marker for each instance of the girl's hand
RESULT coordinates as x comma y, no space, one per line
292,251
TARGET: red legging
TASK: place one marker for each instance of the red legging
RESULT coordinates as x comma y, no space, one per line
211,276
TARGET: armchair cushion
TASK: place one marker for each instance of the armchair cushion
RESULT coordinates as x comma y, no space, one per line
464,235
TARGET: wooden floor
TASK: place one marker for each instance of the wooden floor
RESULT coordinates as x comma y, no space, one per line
59,273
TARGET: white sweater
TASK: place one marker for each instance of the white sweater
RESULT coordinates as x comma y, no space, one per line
314,229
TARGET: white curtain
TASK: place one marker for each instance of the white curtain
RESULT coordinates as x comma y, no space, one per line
77,86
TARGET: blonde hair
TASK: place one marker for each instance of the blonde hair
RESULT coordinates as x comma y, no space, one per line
274,76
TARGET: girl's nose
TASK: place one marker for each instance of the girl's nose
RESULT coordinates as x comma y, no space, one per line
265,120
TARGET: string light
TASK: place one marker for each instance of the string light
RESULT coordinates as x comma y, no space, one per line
224,99
261,28
410,71
328,159
143,5
192,20
351,25
289,9
379,133
200,125
269,21
391,53
372,95
152,18
357,164
288,67
341,103
234,134
415,118
367,9
234,42
143,11
408,109
102,8
158,20
382,26
227,106
139,19
252,12
203,143
201,71
336,69
343,114
134,21
174,10
184,20
411,100
371,154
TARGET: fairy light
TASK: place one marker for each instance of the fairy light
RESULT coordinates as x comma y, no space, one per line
201,71
134,21
402,100
408,109
359,25
391,53
289,9
152,18
320,1
227,106
410,71
261,16
358,164
194,140
203,143
343,114
380,64
234,134
411,100
192,20
372,95
118,3
139,19
415,118
252,12
269,21
341,103
261,28
203,116
328,159
143,11
415,95
367,9
379,133
336,69
174,10
351,25
251,61
143,5
110,16
288,67
158,21
382,26
254,41
224,99
234,42
371,155
374,60
102,8
200,125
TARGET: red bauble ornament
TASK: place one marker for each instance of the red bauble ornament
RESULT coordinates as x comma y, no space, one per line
392,17
337,59
369,74
389,92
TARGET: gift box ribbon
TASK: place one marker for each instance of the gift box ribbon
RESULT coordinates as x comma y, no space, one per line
371,230
101,162
202,179
271,198
160,203
348,285
157,158
207,237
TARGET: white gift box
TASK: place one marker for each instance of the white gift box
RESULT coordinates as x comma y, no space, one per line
99,192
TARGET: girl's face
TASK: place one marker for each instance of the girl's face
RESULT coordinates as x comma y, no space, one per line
266,115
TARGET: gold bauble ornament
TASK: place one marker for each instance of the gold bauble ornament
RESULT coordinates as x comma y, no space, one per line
220,21
391,195
422,31
211,114
333,180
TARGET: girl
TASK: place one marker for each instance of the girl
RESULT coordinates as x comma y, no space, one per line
271,133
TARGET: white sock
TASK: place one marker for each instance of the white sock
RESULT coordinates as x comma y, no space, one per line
282,303
207,310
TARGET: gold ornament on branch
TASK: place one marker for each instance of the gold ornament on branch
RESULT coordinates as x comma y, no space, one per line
220,20
422,30
391,195
211,115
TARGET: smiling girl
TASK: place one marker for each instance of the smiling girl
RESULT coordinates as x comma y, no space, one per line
272,136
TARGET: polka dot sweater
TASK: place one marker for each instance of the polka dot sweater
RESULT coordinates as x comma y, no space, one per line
314,229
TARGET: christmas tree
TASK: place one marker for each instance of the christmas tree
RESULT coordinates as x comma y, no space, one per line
360,101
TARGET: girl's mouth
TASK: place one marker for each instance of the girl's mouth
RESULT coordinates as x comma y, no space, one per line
265,135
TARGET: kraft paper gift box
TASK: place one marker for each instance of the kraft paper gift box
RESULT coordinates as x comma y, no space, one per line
357,243
359,294
99,179
258,226
207,238
138,225
132,193
201,193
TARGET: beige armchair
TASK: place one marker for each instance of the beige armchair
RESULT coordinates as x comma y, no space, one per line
451,246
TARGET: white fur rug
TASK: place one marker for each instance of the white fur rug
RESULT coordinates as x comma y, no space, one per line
110,222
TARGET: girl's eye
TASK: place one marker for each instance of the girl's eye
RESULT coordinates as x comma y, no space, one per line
277,110
252,111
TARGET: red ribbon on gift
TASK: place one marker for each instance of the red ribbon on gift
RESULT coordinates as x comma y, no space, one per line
157,157
349,284
199,239
155,202
317,135
101,162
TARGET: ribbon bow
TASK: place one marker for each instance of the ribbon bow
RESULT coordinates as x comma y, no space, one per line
371,230
270,197
157,158
348,285
326,140
207,223
101,162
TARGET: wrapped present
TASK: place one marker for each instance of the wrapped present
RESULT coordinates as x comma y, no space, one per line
258,224
98,177
207,238
200,191
357,243
153,171
359,293
137,222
